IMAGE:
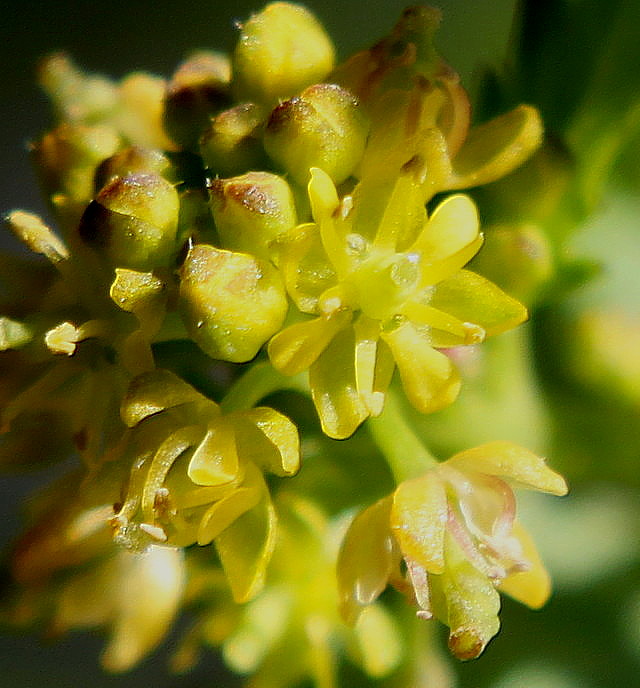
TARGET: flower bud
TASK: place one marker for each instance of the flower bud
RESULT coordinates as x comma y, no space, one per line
133,221
130,161
232,144
252,211
197,91
281,50
66,159
76,96
323,127
231,303
139,117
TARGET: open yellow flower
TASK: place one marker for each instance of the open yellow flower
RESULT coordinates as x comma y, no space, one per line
455,530
387,287
197,476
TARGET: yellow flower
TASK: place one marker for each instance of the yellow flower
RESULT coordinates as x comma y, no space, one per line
387,289
455,529
196,475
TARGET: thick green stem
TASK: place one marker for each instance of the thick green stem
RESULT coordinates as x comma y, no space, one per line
258,382
403,449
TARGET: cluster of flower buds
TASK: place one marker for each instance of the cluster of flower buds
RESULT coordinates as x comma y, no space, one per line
222,233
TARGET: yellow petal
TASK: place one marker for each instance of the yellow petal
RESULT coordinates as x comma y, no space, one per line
429,378
453,227
531,587
140,293
404,214
305,267
153,392
246,546
215,460
268,439
163,459
497,147
222,514
298,346
324,203
379,641
512,462
366,559
332,379
322,194
474,299
419,518
148,594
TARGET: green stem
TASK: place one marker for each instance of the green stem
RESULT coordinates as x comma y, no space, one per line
258,382
403,449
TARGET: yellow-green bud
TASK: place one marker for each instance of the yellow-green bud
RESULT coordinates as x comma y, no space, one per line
76,96
233,142
231,303
132,160
252,212
323,127
67,157
281,50
133,221
199,89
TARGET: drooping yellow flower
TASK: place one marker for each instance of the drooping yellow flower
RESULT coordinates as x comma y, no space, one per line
387,288
455,528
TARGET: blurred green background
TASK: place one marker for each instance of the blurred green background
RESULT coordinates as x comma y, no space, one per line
585,338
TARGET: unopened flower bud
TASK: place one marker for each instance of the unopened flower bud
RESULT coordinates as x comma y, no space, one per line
233,142
133,160
323,127
197,91
76,96
139,117
281,50
133,221
67,157
231,303
252,211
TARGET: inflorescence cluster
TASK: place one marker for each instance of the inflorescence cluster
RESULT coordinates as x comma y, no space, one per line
262,228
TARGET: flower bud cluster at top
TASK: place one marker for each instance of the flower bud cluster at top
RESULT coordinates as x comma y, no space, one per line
277,210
